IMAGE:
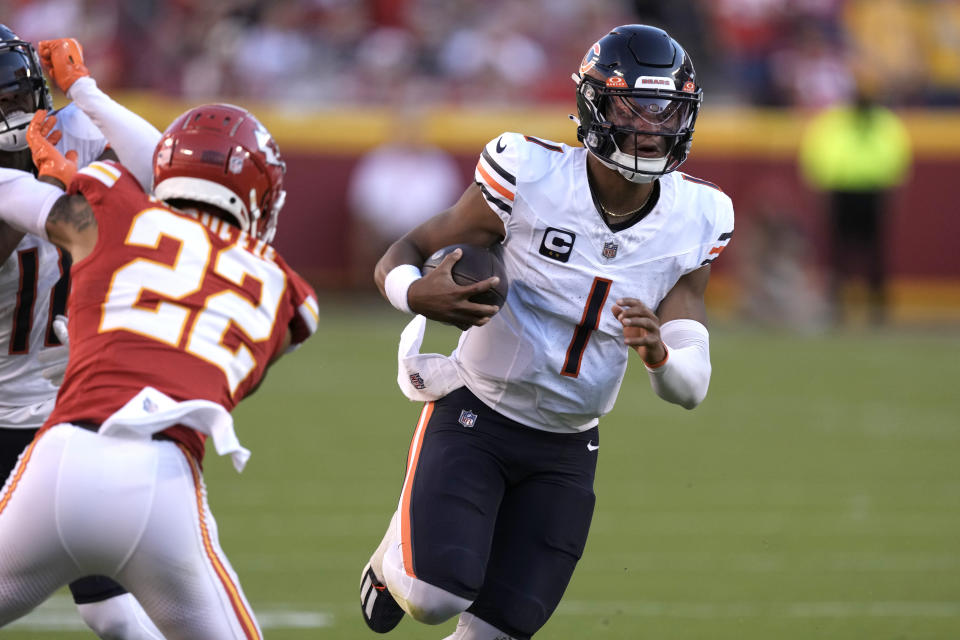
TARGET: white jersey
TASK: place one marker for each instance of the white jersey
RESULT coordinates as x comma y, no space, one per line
553,358
32,293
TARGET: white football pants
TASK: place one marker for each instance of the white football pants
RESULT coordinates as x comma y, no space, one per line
80,504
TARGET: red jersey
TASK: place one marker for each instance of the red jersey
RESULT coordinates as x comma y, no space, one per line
187,304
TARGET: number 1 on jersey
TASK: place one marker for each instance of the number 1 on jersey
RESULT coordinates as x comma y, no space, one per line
588,324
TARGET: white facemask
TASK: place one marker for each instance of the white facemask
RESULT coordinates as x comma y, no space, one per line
656,165
15,138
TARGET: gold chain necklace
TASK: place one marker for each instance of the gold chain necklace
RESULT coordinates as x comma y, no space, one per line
611,214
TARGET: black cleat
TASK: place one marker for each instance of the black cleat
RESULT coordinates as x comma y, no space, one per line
380,611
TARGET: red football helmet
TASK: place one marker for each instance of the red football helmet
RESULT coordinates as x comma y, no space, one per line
220,154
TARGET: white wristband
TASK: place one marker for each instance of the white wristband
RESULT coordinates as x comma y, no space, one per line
397,283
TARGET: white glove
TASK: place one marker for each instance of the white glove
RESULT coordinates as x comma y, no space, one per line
60,328
54,359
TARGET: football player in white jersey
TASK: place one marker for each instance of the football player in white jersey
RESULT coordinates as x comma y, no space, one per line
608,249
34,282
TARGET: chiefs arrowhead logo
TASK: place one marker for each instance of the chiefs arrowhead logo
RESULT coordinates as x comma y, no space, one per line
268,145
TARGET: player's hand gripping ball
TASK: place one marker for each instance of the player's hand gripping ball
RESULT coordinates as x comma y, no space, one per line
476,264
634,332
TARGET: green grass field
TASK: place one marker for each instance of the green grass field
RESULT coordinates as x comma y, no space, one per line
815,493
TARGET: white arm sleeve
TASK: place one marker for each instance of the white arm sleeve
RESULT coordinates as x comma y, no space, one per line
132,137
684,377
25,202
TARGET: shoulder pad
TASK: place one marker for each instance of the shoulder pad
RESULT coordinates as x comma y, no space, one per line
496,172
105,172
509,160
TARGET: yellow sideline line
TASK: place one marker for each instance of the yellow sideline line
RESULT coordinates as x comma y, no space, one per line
935,300
721,131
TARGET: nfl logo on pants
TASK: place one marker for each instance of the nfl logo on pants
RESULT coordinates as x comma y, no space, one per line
468,418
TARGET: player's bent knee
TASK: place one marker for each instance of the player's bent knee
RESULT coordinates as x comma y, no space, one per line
426,603
423,601
437,607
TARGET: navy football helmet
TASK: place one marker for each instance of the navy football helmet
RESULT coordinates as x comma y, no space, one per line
22,89
637,101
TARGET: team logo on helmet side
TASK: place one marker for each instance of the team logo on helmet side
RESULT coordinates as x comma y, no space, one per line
591,58
266,144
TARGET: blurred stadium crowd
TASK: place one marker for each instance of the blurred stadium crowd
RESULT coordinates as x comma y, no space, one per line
317,53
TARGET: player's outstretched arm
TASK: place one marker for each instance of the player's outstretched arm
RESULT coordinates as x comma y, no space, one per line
132,137
673,342
436,295
39,205
43,210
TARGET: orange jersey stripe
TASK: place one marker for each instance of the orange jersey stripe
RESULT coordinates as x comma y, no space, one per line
17,475
717,250
406,536
236,600
494,184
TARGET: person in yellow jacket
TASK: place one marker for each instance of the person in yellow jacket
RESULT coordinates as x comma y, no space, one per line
856,154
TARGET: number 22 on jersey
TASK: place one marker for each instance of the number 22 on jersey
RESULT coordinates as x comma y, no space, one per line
186,276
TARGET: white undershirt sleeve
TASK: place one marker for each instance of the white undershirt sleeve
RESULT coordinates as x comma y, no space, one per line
685,375
25,202
131,137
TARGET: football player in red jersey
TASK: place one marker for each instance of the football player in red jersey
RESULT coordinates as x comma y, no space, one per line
178,306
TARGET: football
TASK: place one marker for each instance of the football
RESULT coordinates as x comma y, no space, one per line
476,264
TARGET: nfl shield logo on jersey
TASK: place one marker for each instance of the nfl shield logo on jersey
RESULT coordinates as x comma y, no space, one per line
417,380
468,418
610,249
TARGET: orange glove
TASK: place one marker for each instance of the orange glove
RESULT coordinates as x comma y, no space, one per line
49,161
63,61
